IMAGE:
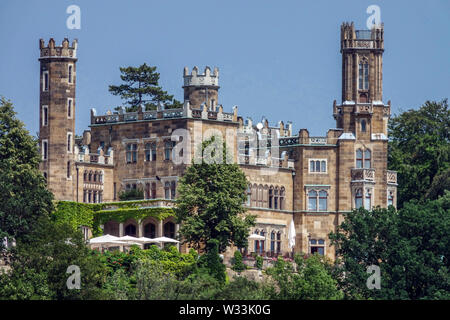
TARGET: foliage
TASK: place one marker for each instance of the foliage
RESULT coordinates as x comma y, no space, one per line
39,269
211,263
419,149
140,87
312,281
23,194
210,203
93,215
241,288
259,262
411,246
133,194
238,264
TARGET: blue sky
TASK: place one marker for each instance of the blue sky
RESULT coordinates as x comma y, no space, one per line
278,59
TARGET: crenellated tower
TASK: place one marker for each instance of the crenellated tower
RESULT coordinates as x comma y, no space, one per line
201,88
57,115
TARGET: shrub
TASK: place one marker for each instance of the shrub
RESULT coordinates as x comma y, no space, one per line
259,262
238,264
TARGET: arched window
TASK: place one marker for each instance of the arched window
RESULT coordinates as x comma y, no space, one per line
271,197
367,158
254,195
282,196
363,125
358,199
256,241
90,176
85,175
275,198
272,241
312,200
150,230
260,196
368,200
95,176
130,230
100,177
279,241
147,191
249,195
363,75
359,158
261,242
169,230
323,195
167,190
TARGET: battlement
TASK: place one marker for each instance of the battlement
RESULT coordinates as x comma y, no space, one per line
361,39
201,80
63,51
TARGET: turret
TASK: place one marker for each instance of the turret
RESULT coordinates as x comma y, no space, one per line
202,88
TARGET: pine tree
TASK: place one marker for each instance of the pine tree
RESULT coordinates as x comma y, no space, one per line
141,87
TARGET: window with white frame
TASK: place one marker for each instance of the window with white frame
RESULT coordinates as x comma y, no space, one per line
69,108
363,159
317,165
363,78
317,246
363,198
390,199
69,142
70,73
44,149
44,115
317,200
131,153
45,81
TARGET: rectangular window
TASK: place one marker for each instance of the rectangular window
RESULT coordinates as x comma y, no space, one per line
69,142
69,107
70,72
368,200
131,153
115,190
317,165
44,115
68,169
44,150
45,83
366,76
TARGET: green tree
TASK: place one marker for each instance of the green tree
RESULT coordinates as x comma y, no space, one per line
23,194
38,269
419,149
210,202
411,247
311,280
211,263
141,87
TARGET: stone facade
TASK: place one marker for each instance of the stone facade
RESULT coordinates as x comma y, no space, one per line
292,177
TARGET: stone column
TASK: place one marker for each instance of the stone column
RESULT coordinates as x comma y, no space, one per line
160,229
177,228
121,230
140,232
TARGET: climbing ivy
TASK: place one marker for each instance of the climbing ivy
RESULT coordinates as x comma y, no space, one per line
93,215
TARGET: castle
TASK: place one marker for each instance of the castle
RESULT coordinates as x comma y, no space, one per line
309,180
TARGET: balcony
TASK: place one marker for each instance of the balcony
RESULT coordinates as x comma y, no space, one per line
362,174
391,177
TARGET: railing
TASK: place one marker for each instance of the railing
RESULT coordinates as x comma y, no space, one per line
362,174
146,203
317,140
391,177
196,113
288,141
130,116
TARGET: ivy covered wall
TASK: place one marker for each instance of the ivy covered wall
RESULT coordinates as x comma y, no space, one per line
93,215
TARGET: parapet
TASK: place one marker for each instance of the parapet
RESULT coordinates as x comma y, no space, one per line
63,51
361,39
205,79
